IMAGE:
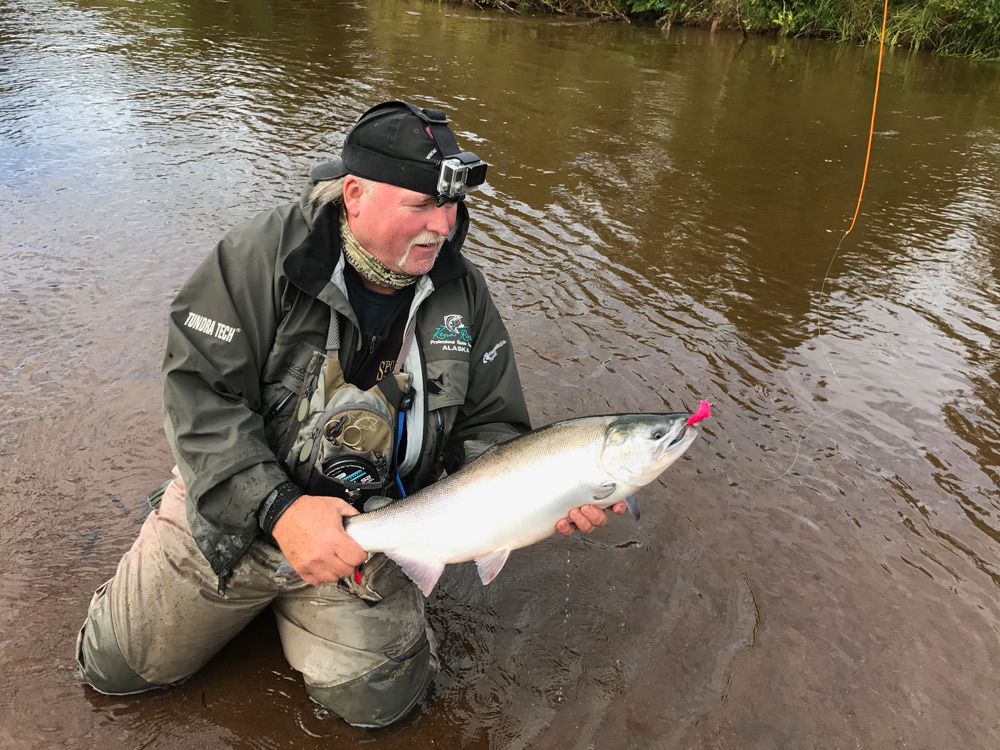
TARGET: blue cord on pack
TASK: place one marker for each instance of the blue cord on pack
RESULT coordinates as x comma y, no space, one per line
399,440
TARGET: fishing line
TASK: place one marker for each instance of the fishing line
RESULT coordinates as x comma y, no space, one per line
836,252
868,154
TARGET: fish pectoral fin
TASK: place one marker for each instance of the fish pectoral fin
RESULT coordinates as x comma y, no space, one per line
604,491
424,573
376,502
633,505
491,565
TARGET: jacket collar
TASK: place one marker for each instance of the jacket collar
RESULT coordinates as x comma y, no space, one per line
310,266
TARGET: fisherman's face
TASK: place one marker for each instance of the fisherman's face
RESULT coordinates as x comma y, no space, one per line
402,228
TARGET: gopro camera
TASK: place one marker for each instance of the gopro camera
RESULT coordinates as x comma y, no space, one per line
459,174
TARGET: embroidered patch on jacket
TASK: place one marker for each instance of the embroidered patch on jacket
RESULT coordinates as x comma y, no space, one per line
453,336
492,353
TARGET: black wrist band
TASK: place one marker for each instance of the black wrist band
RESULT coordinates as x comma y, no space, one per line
277,503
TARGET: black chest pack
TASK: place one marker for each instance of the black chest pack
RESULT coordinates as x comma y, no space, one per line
343,441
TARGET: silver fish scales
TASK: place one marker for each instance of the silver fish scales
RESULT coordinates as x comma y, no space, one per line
513,494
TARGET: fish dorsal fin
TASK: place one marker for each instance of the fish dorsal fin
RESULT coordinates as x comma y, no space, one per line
490,565
423,573
633,505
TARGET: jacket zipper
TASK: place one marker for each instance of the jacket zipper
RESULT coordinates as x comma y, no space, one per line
278,406
439,420
227,569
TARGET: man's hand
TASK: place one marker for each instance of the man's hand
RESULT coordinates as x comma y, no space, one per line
311,534
586,518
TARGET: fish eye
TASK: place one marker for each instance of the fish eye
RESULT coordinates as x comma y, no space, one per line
658,433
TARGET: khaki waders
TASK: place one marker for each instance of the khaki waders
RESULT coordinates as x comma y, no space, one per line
161,618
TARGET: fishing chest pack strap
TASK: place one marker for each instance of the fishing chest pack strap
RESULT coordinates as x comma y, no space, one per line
342,440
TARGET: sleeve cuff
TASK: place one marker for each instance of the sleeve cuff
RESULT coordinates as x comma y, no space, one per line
277,503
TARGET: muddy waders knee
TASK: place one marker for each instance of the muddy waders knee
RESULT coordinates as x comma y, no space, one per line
385,694
99,656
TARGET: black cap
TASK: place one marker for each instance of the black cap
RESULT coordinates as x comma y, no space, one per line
397,143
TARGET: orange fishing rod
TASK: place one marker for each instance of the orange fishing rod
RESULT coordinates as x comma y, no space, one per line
868,153
836,252
871,130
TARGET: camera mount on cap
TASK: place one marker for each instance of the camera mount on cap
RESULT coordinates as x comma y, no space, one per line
459,174
460,171
396,143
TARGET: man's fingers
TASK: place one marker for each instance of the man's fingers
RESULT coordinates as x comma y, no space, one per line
564,527
308,577
586,518
353,556
581,520
346,509
595,515
325,572
333,574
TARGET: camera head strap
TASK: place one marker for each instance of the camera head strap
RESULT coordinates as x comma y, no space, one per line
410,147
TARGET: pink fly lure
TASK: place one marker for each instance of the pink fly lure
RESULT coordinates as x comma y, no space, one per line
704,411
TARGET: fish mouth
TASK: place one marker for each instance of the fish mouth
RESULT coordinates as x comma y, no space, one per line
669,448
681,437
678,443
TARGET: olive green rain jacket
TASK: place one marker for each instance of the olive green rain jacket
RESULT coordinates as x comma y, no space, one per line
242,331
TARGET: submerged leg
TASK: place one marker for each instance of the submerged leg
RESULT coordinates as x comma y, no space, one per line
368,664
161,618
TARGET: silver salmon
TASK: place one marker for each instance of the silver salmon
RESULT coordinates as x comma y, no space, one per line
513,494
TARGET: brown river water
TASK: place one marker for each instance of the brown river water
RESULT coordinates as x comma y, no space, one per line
821,570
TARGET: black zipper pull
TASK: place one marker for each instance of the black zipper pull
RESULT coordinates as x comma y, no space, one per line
371,346
224,575
273,411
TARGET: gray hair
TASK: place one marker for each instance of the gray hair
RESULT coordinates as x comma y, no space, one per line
332,191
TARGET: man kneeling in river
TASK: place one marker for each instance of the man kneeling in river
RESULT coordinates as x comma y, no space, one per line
327,353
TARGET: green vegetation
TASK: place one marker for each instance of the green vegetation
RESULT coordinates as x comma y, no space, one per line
951,27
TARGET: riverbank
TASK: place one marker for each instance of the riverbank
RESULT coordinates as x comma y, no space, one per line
968,28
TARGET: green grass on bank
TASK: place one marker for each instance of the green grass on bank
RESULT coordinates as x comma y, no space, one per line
951,27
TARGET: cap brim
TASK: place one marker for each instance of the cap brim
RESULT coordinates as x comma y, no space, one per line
330,170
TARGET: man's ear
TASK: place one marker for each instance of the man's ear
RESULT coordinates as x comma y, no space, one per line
353,193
